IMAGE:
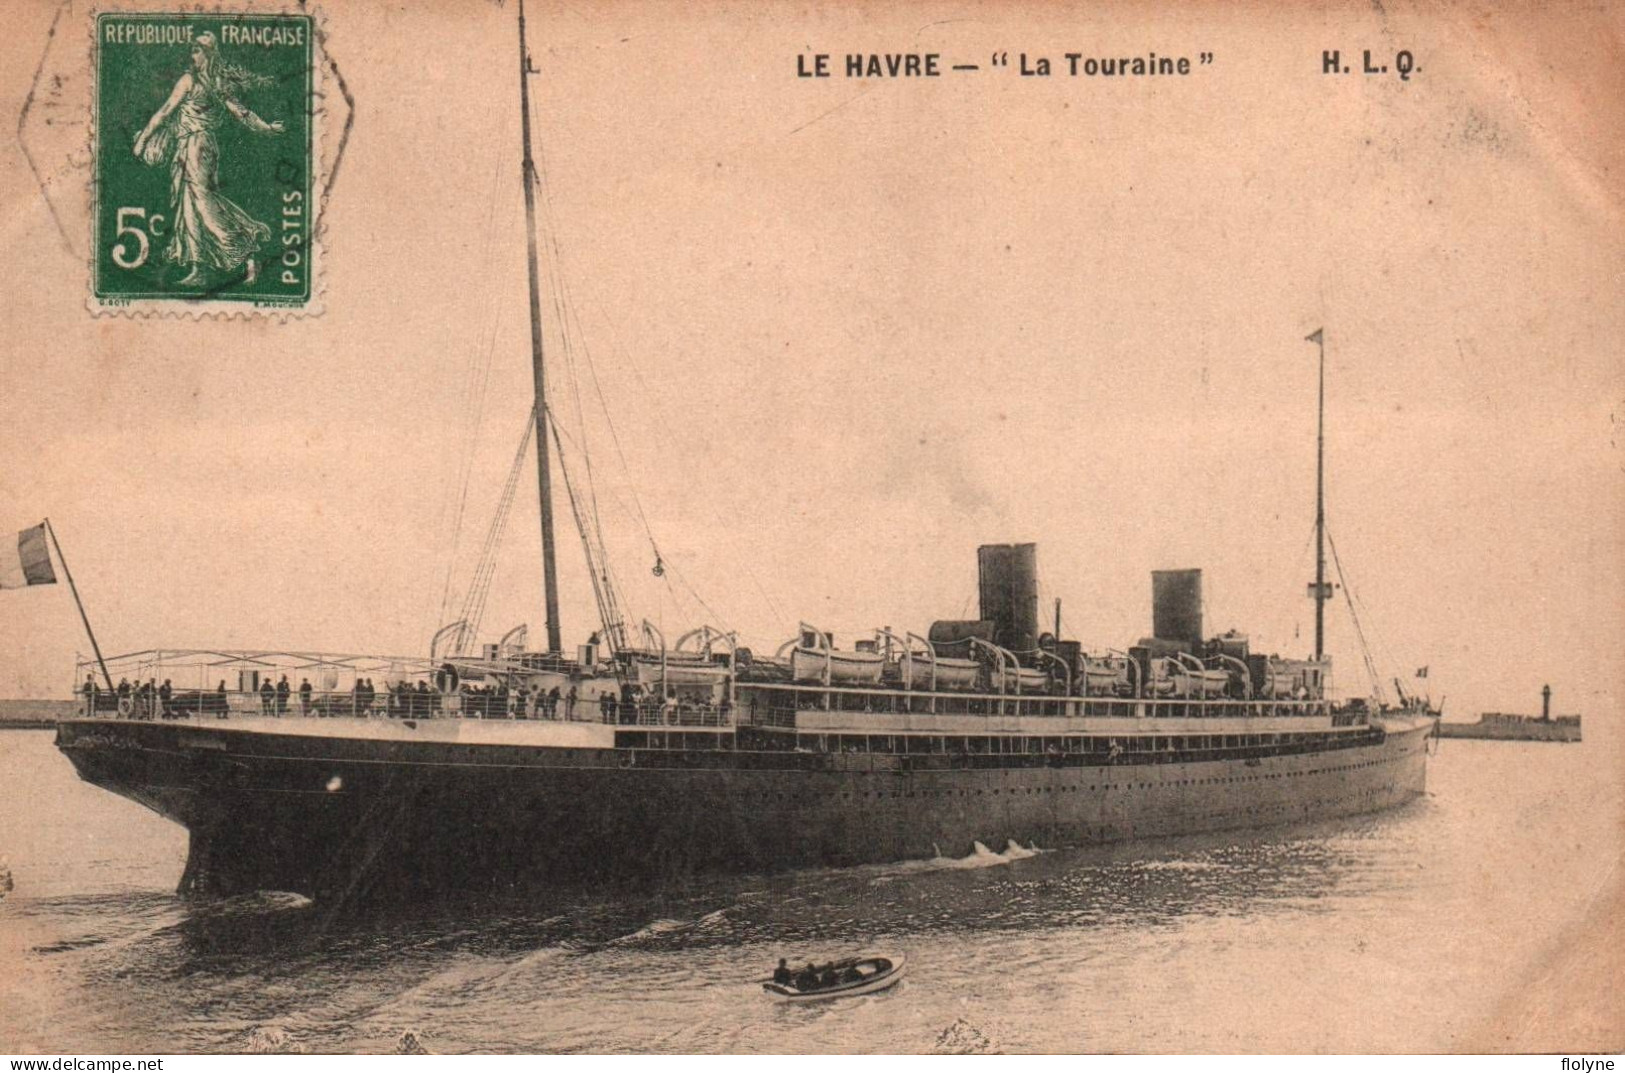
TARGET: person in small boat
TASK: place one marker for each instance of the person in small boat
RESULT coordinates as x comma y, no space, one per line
807,979
828,978
782,975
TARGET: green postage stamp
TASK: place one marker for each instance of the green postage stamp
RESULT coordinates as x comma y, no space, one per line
205,146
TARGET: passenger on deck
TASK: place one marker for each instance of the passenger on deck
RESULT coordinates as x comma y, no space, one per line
165,691
782,975
422,706
221,706
268,698
304,696
570,703
282,691
553,703
89,690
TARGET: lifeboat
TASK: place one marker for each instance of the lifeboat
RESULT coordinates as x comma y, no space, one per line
679,672
951,673
1023,680
1163,681
855,668
1203,683
1106,677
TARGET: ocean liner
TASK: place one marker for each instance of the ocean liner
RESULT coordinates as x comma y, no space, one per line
463,771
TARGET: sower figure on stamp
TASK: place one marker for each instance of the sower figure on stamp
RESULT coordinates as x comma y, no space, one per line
210,231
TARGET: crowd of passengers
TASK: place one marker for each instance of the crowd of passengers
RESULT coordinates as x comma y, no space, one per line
403,700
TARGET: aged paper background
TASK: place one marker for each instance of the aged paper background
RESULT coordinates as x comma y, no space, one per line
851,328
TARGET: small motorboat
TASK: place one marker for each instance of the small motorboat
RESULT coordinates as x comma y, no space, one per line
854,976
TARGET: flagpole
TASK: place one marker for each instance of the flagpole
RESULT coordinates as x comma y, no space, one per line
108,678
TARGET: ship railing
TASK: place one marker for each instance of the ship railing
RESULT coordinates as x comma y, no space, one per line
784,716
765,715
495,704
347,704
678,715
140,703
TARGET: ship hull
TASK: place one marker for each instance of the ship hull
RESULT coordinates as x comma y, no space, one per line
351,818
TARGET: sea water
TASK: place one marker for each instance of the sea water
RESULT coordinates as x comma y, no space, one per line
1418,929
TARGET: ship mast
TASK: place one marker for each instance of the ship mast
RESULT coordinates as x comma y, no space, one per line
1320,588
544,477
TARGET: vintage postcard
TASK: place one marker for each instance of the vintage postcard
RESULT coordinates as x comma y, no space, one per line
861,528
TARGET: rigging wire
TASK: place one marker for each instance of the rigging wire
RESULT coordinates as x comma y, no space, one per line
479,589
1381,644
475,388
556,254
772,605
588,514
670,574
588,517
614,636
1354,614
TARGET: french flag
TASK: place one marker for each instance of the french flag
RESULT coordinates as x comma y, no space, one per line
26,562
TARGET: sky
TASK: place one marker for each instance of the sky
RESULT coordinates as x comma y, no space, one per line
847,330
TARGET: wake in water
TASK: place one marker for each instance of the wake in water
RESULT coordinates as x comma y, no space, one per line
979,857
665,928
257,902
653,931
1179,866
